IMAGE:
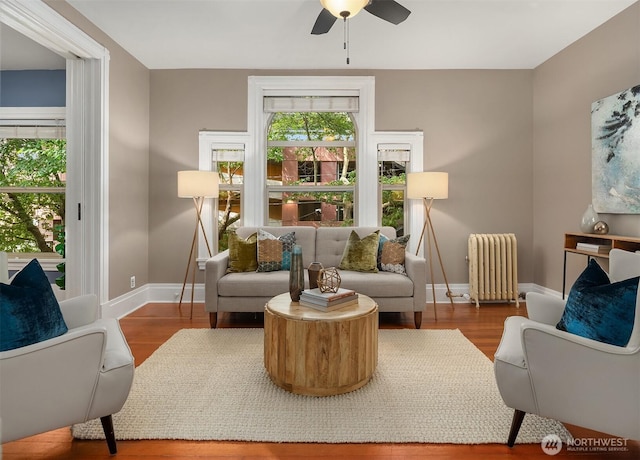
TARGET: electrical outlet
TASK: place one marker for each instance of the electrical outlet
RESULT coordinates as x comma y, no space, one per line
133,282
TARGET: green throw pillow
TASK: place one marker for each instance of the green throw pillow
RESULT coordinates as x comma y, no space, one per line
242,253
29,311
361,255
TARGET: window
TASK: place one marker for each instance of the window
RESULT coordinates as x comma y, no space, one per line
228,160
33,161
32,205
223,152
311,169
393,164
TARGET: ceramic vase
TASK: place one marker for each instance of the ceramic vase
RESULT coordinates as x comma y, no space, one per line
314,271
296,274
589,219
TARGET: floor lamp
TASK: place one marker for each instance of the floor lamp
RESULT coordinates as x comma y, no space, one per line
197,185
429,186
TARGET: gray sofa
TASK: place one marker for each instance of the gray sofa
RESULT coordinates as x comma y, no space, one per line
249,291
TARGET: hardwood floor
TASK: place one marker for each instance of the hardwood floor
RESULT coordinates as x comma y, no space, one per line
150,326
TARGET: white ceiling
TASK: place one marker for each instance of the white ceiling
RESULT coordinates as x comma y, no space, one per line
275,34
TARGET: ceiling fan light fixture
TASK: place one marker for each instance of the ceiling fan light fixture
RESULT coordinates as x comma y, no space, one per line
343,9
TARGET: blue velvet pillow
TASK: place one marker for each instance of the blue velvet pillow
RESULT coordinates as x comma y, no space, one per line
29,311
600,310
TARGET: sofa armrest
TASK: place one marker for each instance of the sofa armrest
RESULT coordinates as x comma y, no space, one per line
416,268
215,268
544,308
79,311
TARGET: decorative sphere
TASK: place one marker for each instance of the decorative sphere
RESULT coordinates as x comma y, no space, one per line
329,280
601,228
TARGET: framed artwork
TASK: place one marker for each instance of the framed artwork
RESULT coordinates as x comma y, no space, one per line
615,153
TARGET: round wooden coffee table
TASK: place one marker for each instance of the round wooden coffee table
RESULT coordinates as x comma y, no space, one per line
311,352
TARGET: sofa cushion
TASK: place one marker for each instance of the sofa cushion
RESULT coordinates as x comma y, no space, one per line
254,284
391,254
598,309
270,284
242,253
331,241
274,253
377,285
361,254
29,311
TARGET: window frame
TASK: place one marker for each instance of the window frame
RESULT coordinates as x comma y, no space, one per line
315,187
29,118
260,87
208,142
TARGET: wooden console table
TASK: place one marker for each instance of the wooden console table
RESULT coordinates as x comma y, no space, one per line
571,241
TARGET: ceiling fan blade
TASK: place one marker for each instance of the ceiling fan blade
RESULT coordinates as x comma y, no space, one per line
388,10
324,22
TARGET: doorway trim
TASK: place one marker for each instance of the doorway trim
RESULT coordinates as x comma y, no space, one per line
87,140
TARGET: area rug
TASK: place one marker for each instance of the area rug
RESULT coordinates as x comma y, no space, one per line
430,386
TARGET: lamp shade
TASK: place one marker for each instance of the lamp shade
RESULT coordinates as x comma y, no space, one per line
428,185
197,184
340,8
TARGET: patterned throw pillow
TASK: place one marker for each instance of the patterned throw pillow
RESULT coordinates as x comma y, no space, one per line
361,255
30,312
391,254
600,310
242,253
274,253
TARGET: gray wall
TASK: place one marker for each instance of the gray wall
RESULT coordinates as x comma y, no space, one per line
601,64
128,159
33,88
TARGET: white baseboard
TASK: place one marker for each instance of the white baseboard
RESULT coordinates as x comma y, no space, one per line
150,293
170,293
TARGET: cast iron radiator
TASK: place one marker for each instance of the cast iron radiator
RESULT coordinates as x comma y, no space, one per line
493,267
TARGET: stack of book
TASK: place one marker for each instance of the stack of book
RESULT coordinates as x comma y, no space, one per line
328,301
595,248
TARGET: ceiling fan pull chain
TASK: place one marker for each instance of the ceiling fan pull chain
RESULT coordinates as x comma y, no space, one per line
346,38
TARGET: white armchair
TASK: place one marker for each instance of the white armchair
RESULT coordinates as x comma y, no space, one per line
79,376
542,370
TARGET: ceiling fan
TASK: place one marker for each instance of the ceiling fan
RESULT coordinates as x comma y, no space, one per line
389,10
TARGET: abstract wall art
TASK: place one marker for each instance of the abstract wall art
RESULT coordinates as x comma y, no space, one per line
615,152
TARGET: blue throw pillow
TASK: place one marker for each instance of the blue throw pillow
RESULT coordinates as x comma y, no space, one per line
29,311
600,310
